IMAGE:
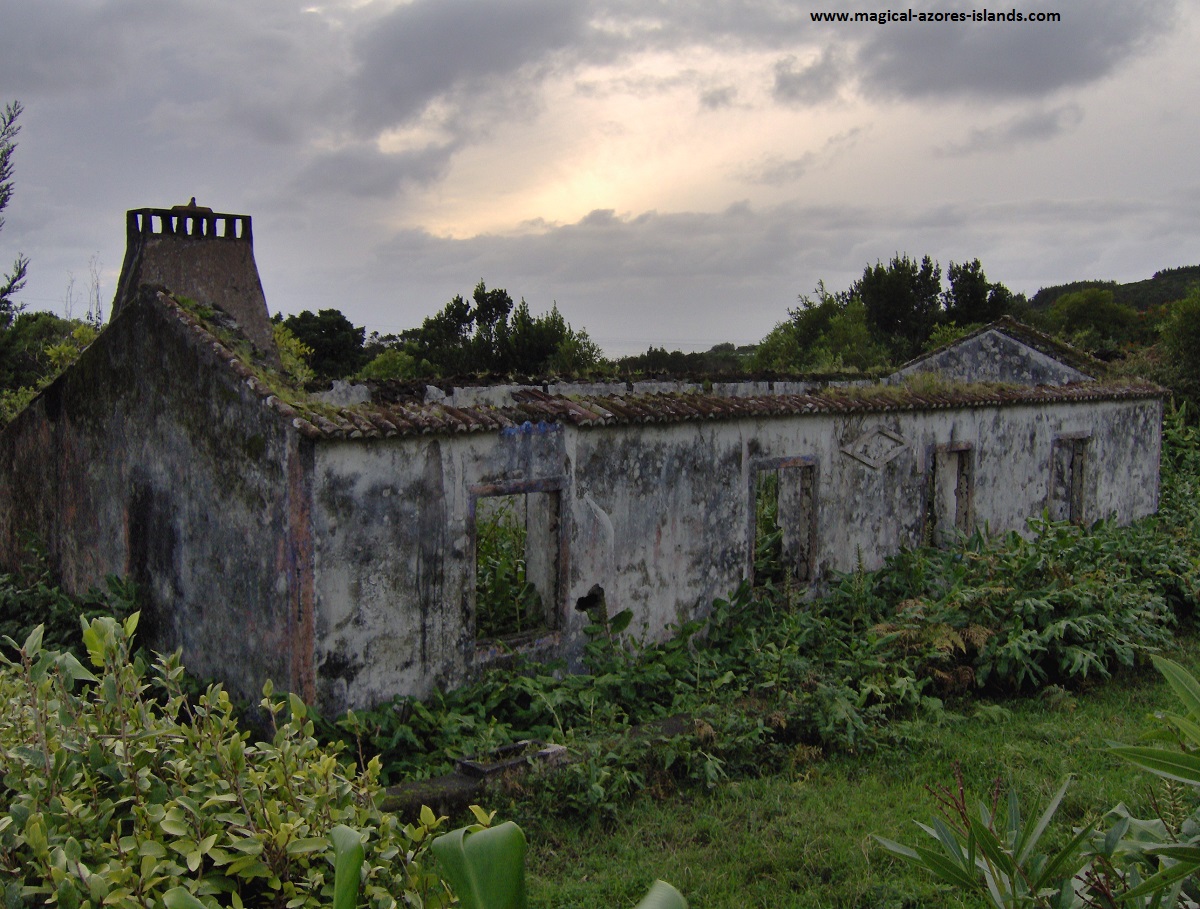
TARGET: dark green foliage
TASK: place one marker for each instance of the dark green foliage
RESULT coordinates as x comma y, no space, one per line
505,603
24,361
903,301
1164,287
392,364
336,343
825,334
768,535
33,599
1093,321
1181,346
489,335
721,359
972,299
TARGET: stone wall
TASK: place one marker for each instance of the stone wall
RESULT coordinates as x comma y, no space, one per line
150,459
993,356
659,518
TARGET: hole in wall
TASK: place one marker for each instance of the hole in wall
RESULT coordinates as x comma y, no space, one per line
1069,463
784,525
950,495
591,600
516,565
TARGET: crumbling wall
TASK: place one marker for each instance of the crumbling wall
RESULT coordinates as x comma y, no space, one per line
150,459
658,518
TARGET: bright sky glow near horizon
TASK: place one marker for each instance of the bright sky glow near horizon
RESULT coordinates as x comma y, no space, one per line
670,173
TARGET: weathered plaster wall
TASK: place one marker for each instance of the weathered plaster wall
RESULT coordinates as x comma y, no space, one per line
394,554
151,460
660,516
993,356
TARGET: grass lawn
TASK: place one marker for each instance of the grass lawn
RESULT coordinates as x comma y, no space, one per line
803,838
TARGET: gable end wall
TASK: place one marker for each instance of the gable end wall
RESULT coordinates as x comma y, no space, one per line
150,459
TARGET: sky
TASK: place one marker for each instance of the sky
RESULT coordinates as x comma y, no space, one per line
667,173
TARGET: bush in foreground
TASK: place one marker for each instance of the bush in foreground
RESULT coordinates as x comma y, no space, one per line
118,789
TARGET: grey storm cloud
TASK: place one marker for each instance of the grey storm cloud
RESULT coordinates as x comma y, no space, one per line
362,171
813,83
718,98
430,48
1009,59
776,171
1034,126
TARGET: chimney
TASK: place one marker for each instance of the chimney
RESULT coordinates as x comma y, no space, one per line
198,253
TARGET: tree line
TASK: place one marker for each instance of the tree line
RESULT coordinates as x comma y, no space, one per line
485,334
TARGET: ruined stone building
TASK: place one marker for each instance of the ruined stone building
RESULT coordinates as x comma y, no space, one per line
333,548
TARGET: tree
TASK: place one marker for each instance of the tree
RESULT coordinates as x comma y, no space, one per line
903,300
787,347
506,338
846,343
1093,321
972,299
14,280
827,333
336,343
24,343
1180,343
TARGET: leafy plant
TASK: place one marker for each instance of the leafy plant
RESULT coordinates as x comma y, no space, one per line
1175,853
998,858
114,797
1147,863
768,535
506,602
486,869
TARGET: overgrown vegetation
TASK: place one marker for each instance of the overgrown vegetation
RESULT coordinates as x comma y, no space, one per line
118,788
769,688
1120,860
769,681
506,603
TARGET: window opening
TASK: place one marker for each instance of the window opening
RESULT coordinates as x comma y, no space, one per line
1068,468
768,535
950,495
784,524
516,564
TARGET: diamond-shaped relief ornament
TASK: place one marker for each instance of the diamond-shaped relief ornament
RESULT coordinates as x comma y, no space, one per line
876,447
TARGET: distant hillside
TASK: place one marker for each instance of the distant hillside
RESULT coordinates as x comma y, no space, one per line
1166,285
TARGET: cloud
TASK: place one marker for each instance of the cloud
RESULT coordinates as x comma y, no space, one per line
361,170
774,170
1010,59
1035,126
215,68
813,83
696,279
429,49
718,98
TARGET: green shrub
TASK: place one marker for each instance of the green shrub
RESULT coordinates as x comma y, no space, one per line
32,599
115,798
